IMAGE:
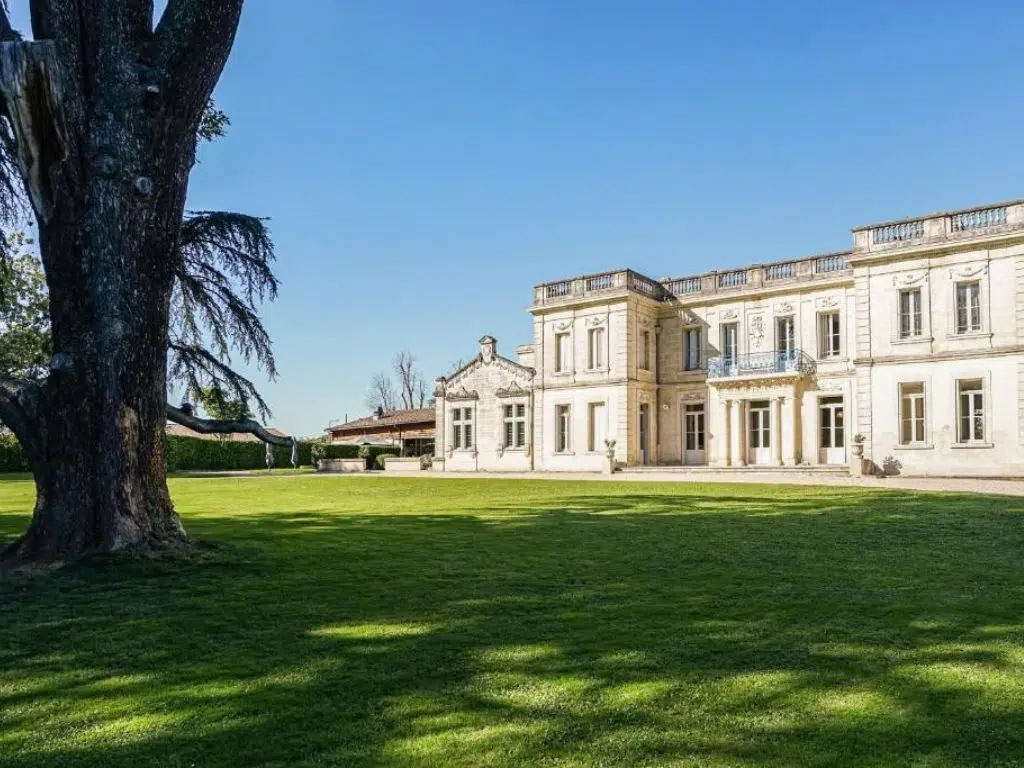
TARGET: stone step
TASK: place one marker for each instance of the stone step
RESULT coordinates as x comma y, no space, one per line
809,469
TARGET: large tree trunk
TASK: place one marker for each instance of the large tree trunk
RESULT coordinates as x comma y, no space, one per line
106,119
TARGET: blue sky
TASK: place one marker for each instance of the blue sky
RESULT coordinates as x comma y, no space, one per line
424,163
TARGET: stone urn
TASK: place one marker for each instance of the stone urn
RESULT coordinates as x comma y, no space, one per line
609,454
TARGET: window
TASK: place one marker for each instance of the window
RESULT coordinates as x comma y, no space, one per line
910,313
729,335
694,427
462,425
692,349
515,426
562,429
645,350
972,411
785,338
829,334
595,347
912,426
562,353
968,307
596,421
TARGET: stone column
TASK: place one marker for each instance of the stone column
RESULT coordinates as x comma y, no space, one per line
789,414
740,427
776,431
724,443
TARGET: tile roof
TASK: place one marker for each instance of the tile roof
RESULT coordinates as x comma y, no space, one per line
394,419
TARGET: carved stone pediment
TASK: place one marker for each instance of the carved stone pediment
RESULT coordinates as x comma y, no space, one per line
463,394
827,302
784,308
512,390
689,317
563,325
596,321
730,314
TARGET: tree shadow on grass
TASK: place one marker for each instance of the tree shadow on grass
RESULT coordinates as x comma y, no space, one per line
644,628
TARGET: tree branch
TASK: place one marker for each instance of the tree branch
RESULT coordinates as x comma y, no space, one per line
220,426
192,43
19,410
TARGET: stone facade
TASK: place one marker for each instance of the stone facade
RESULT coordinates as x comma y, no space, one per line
911,343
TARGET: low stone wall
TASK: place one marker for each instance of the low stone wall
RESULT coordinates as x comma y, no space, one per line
341,465
397,464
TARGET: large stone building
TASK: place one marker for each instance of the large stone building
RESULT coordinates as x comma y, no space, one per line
910,345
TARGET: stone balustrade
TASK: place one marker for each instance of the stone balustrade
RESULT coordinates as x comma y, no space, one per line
711,283
939,227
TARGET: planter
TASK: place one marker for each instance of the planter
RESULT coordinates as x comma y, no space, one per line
341,465
398,464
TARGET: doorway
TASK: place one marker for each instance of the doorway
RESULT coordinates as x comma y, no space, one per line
831,416
693,435
760,424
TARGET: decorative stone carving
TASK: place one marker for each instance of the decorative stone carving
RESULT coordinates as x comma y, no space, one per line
908,279
757,333
596,321
488,349
730,314
694,396
831,386
563,325
645,322
827,302
968,270
463,394
785,308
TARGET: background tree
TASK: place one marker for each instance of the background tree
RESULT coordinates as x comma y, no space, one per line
217,404
24,312
381,394
412,386
100,115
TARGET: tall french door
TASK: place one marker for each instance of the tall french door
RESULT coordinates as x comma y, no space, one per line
693,435
760,435
832,421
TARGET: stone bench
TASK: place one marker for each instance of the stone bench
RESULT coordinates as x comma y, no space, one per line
341,465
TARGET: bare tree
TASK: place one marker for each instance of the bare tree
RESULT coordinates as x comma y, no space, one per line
421,390
381,394
404,365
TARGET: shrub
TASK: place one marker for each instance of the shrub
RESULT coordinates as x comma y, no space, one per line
333,451
372,452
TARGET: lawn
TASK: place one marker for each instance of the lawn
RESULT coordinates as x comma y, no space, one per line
414,622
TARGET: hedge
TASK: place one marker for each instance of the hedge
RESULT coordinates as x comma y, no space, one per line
189,453
197,454
333,451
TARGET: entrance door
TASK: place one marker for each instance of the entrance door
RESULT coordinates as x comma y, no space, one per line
833,431
760,440
645,433
693,435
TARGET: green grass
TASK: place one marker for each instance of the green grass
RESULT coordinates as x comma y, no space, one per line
415,622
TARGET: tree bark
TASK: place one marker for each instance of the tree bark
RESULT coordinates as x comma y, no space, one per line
106,118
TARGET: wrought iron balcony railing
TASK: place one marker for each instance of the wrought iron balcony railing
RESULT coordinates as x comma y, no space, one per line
758,363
